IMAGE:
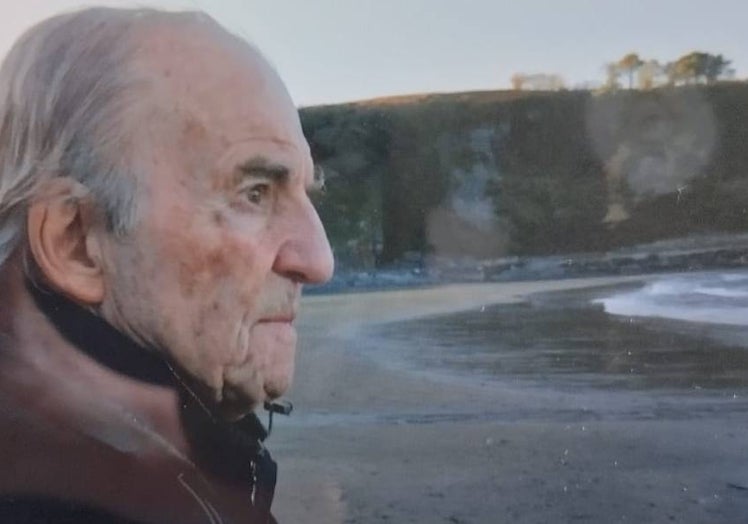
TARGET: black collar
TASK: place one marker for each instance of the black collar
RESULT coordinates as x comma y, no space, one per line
225,448
100,341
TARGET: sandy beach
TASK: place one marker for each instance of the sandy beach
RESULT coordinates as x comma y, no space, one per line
373,440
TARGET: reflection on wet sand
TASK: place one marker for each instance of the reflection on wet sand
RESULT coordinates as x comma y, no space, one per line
566,340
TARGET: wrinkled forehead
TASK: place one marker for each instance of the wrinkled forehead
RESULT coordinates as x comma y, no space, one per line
220,83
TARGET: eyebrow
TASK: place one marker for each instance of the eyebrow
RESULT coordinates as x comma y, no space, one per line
261,167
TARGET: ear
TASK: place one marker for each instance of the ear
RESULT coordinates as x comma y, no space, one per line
62,241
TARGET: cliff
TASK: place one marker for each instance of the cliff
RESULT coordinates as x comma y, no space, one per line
488,175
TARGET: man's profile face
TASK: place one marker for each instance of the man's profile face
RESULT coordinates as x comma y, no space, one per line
227,235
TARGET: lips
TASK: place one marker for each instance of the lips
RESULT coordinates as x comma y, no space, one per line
283,319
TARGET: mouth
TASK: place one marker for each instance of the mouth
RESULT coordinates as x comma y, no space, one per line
278,319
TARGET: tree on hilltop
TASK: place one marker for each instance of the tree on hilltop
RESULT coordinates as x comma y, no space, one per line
696,66
676,72
715,67
629,65
649,74
612,73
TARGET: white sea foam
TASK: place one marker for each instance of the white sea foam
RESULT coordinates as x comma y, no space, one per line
716,298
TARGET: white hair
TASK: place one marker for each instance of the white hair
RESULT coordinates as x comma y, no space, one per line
68,108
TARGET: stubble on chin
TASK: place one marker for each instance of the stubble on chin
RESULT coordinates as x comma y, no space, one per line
265,372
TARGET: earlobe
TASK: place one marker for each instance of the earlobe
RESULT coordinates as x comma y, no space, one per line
63,244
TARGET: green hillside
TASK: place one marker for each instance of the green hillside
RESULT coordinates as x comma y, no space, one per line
492,174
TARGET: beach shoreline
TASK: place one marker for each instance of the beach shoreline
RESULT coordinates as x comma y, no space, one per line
371,442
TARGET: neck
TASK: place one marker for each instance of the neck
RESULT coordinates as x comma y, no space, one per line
98,340
59,362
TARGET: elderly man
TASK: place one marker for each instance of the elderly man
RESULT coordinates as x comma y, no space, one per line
155,233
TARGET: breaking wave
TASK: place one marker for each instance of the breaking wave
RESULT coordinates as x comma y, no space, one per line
716,298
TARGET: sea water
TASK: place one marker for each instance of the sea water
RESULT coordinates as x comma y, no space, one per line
676,331
715,298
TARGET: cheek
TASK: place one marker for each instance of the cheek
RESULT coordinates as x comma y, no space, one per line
209,258
199,267
209,283
220,290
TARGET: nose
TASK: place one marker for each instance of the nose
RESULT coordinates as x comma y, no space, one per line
305,256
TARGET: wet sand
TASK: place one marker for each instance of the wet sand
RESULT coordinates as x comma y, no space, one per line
375,439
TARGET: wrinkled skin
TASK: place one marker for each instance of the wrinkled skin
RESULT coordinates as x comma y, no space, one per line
212,274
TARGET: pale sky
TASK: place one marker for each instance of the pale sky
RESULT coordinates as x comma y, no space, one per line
331,51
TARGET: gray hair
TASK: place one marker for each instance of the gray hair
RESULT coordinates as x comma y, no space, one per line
68,91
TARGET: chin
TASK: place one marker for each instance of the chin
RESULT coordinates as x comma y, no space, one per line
238,399
276,389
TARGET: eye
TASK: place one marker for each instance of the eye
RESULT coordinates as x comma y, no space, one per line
257,193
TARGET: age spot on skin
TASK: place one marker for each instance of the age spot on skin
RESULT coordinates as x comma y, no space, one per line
193,129
218,218
218,263
194,268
